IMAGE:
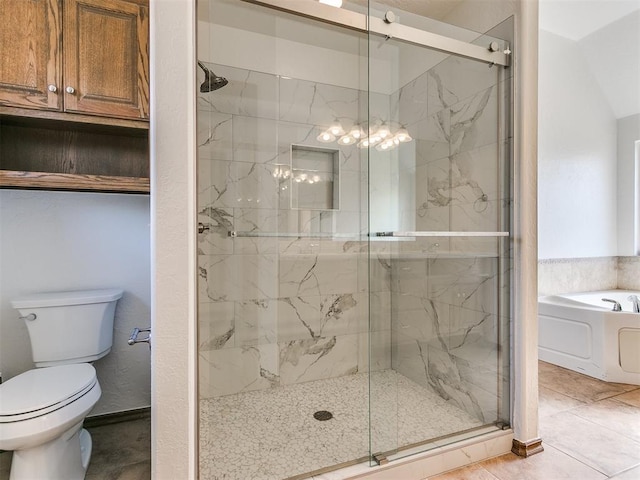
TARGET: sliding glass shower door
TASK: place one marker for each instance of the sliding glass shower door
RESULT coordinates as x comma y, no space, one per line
353,247
439,229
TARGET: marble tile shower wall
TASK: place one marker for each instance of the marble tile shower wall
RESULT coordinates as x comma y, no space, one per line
281,310
444,291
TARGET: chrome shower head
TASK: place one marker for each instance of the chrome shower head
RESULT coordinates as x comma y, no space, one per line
211,80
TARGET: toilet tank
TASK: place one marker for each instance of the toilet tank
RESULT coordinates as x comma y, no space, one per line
69,327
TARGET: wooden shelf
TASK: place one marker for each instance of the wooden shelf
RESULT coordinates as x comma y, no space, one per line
93,122
71,181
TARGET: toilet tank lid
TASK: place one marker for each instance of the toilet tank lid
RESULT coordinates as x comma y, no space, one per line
59,299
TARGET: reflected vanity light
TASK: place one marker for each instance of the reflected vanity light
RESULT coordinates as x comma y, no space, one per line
380,136
403,136
383,132
326,137
336,129
333,3
356,132
347,140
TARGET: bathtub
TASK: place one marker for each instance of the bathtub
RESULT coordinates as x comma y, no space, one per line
581,332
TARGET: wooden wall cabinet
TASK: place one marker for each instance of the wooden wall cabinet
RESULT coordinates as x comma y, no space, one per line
74,94
84,56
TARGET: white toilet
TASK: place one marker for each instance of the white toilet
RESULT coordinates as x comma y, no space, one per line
42,410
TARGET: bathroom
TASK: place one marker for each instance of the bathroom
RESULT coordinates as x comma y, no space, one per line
111,249
176,340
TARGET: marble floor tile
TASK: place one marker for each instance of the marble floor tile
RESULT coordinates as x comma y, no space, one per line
578,386
631,474
596,446
630,398
617,416
472,472
552,464
550,402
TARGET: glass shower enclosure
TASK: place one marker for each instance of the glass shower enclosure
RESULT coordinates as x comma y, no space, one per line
354,185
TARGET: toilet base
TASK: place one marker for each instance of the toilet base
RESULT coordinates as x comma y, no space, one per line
65,458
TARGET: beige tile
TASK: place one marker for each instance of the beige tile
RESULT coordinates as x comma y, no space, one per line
598,447
630,398
578,386
617,416
548,465
137,471
120,444
551,402
632,474
5,465
472,472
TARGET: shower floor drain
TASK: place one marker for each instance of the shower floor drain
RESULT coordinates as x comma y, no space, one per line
323,415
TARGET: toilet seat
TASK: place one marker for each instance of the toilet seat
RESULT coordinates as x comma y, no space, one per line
41,391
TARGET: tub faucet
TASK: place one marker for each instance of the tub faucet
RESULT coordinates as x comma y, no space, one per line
616,306
636,302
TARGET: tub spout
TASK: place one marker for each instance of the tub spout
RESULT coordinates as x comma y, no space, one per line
616,306
636,302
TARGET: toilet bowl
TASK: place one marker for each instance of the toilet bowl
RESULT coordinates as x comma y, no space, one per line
41,415
42,410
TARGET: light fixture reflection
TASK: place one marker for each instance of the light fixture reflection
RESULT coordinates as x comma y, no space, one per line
346,140
333,3
326,137
336,129
383,132
383,136
403,136
356,132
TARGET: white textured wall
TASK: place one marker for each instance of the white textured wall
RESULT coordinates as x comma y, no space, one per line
71,241
173,213
577,156
628,178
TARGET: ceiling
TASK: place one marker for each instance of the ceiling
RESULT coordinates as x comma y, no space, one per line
607,33
575,19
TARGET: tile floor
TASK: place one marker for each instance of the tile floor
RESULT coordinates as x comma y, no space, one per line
590,430
121,451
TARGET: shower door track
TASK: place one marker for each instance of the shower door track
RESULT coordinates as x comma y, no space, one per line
367,24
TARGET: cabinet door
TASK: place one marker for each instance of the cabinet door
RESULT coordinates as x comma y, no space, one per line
106,59
30,58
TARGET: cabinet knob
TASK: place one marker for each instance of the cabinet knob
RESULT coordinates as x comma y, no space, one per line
70,90
52,88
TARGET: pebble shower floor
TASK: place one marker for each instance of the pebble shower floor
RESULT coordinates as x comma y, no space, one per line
273,435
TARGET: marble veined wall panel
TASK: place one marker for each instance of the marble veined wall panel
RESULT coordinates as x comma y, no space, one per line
276,310
445,291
